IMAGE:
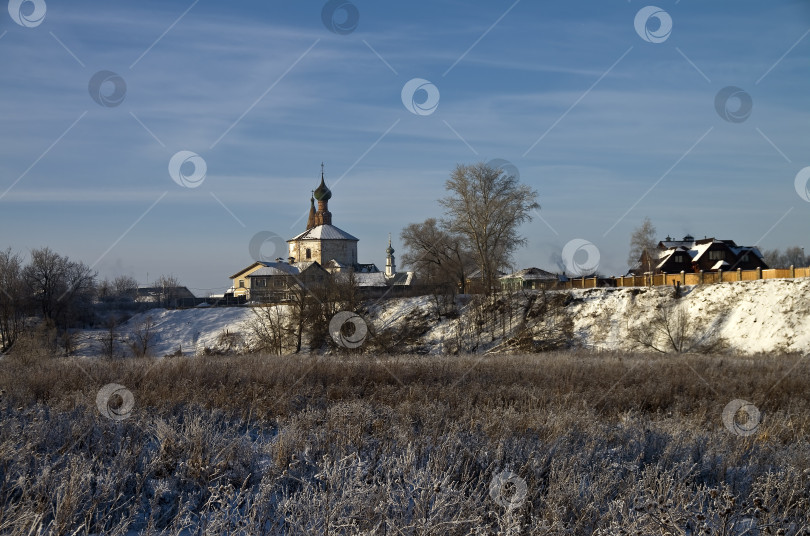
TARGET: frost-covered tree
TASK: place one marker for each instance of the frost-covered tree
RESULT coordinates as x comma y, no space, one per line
643,247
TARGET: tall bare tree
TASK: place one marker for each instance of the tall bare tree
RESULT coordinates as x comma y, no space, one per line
486,207
272,327
143,338
122,288
643,247
436,255
12,299
58,286
125,287
169,287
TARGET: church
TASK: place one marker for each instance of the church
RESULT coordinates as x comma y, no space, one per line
322,242
322,250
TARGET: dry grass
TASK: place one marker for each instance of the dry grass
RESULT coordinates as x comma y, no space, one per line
405,445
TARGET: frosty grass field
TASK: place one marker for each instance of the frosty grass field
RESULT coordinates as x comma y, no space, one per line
554,443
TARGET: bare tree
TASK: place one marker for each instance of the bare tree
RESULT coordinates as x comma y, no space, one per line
773,258
168,286
143,338
305,305
125,287
12,299
486,207
643,247
272,328
121,288
323,301
61,288
793,256
110,338
670,329
437,256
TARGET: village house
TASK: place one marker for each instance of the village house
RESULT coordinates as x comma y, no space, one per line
531,279
173,296
276,281
708,255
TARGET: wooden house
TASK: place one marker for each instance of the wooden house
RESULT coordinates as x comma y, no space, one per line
274,282
708,255
531,279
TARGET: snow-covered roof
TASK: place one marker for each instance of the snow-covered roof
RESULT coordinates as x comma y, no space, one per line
747,249
376,279
700,249
529,274
477,274
281,268
275,268
402,278
324,232
334,263
664,257
720,264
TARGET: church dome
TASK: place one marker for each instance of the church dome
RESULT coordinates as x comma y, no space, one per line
322,193
389,249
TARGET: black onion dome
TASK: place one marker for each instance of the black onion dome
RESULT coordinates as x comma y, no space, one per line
322,193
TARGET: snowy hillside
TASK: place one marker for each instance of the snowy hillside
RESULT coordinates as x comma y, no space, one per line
748,317
745,317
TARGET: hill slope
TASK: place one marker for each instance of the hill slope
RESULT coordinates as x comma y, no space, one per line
746,317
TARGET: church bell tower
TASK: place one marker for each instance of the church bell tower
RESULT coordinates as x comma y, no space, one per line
390,265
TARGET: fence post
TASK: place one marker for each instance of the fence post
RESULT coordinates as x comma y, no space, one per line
720,275
621,280
700,279
759,272
739,274
683,277
792,272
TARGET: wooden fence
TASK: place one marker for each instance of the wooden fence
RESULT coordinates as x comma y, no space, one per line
700,278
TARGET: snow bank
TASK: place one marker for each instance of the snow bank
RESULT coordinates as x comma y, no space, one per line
187,330
751,317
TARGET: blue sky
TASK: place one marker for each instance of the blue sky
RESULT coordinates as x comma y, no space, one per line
608,127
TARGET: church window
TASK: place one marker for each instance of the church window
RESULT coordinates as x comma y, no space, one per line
309,253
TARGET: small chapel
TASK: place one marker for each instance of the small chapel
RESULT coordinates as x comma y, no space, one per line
322,250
